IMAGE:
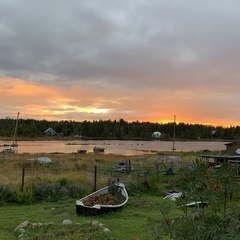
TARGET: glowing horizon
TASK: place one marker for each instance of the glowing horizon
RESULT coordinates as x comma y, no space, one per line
43,102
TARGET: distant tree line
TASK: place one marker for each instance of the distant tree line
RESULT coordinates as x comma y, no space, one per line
118,129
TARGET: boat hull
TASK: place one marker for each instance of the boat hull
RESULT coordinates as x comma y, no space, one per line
123,166
98,209
8,150
83,210
98,149
81,151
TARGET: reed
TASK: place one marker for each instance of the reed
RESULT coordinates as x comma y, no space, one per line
73,175
76,168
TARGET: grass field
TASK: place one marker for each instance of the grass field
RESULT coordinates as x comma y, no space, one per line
129,222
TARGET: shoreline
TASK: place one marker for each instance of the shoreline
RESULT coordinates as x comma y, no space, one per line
54,138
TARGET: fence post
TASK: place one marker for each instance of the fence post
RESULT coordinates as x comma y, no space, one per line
157,167
95,179
23,174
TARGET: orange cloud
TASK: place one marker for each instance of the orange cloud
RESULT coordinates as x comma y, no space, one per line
81,103
39,101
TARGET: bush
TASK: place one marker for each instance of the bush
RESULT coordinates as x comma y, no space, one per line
76,191
42,191
57,192
215,186
25,196
7,195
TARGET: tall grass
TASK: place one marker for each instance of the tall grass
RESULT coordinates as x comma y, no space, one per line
76,168
70,175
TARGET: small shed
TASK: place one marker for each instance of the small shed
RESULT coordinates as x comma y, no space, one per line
50,132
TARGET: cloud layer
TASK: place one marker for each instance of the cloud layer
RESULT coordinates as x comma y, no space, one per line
138,60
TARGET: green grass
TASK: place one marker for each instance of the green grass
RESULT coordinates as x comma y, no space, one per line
127,223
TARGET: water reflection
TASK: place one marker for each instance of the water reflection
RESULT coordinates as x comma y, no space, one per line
112,146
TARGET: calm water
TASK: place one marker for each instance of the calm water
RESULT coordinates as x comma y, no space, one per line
112,146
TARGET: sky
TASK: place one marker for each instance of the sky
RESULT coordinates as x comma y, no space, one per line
139,60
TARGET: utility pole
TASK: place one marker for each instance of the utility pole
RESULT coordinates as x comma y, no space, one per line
174,123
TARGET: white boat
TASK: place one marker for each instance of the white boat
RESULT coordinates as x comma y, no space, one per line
196,204
14,143
8,150
103,201
41,160
122,166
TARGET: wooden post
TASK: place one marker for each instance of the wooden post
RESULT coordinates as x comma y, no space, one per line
95,179
157,167
23,174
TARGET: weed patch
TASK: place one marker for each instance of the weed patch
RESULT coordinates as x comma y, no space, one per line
51,230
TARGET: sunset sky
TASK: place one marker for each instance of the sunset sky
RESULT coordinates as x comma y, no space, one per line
144,60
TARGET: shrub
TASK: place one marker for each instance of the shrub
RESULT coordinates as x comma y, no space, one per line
214,186
76,191
57,192
7,195
25,196
44,192
50,192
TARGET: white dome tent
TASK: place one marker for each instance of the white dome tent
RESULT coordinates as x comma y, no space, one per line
156,135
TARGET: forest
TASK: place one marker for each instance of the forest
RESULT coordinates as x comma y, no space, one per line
117,129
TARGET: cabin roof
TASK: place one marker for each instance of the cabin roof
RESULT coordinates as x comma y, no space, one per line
50,130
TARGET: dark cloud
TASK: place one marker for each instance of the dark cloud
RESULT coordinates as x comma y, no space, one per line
177,46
